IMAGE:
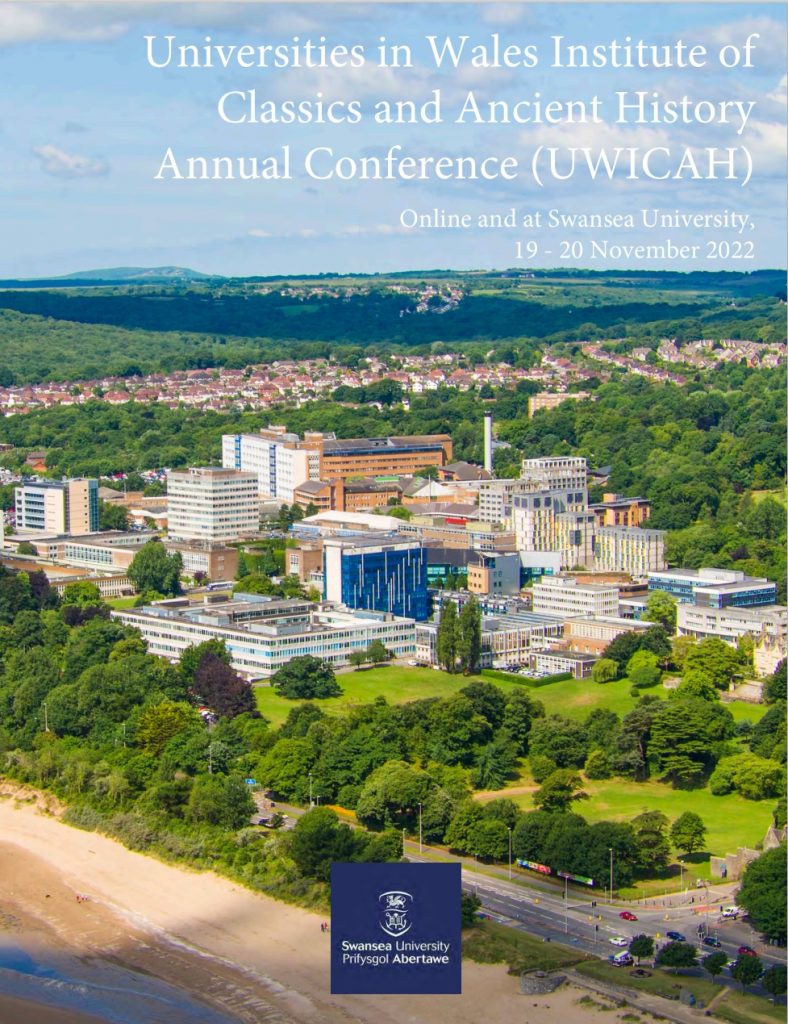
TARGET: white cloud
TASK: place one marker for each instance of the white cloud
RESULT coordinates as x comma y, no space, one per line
27,23
60,164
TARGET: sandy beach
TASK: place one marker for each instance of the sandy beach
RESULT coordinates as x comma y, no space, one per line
154,942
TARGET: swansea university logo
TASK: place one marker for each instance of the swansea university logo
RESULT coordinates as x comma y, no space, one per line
394,909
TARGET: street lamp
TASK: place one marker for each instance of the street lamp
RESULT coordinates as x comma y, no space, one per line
420,842
510,852
310,790
611,873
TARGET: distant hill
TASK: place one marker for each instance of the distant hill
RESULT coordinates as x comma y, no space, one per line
136,274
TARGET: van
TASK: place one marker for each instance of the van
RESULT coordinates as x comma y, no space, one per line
731,912
623,959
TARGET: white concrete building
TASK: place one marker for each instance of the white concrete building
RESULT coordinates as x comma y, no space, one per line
277,459
565,597
563,472
211,504
263,634
767,625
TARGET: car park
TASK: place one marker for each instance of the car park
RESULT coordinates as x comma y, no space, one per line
676,937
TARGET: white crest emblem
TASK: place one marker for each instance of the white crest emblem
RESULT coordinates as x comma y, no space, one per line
394,909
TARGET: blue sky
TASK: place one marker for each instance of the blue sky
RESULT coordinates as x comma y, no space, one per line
85,122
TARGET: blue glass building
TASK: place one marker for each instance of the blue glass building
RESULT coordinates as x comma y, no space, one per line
380,575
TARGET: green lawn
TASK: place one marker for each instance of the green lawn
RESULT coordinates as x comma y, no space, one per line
396,683
731,821
122,602
491,943
571,697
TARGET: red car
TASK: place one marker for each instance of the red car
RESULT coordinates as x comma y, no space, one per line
746,951
627,915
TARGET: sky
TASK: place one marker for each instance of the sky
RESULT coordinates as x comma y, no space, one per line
85,123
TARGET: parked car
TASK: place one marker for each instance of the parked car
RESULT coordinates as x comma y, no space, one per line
746,951
710,940
619,940
676,937
731,912
627,915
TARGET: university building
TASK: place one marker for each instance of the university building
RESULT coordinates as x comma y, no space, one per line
382,575
212,505
59,507
263,634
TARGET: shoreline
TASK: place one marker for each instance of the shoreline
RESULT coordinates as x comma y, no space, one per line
214,951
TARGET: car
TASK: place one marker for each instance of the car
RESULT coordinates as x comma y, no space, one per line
731,912
730,965
621,960
746,951
710,940
619,940
627,915
676,937
412,662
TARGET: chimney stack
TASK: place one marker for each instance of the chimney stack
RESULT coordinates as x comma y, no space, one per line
488,437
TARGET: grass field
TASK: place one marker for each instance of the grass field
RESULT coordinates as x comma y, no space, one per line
122,602
395,683
731,821
398,684
492,943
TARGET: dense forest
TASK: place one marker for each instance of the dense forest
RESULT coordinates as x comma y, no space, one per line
49,333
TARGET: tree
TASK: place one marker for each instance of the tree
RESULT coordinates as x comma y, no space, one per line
715,963
696,683
518,714
604,671
469,636
357,659
190,658
306,678
81,594
641,945
775,687
318,839
446,640
774,981
113,517
650,830
714,657
562,740
756,778
391,795
677,954
495,762
153,569
377,652
559,790
747,970
688,833
661,608
643,669
220,800
469,906
762,893
27,631
285,767
684,736
222,689
158,723
488,700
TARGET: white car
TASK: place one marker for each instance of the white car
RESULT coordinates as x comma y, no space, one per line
619,940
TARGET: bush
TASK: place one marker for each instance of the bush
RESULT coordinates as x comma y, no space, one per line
598,765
